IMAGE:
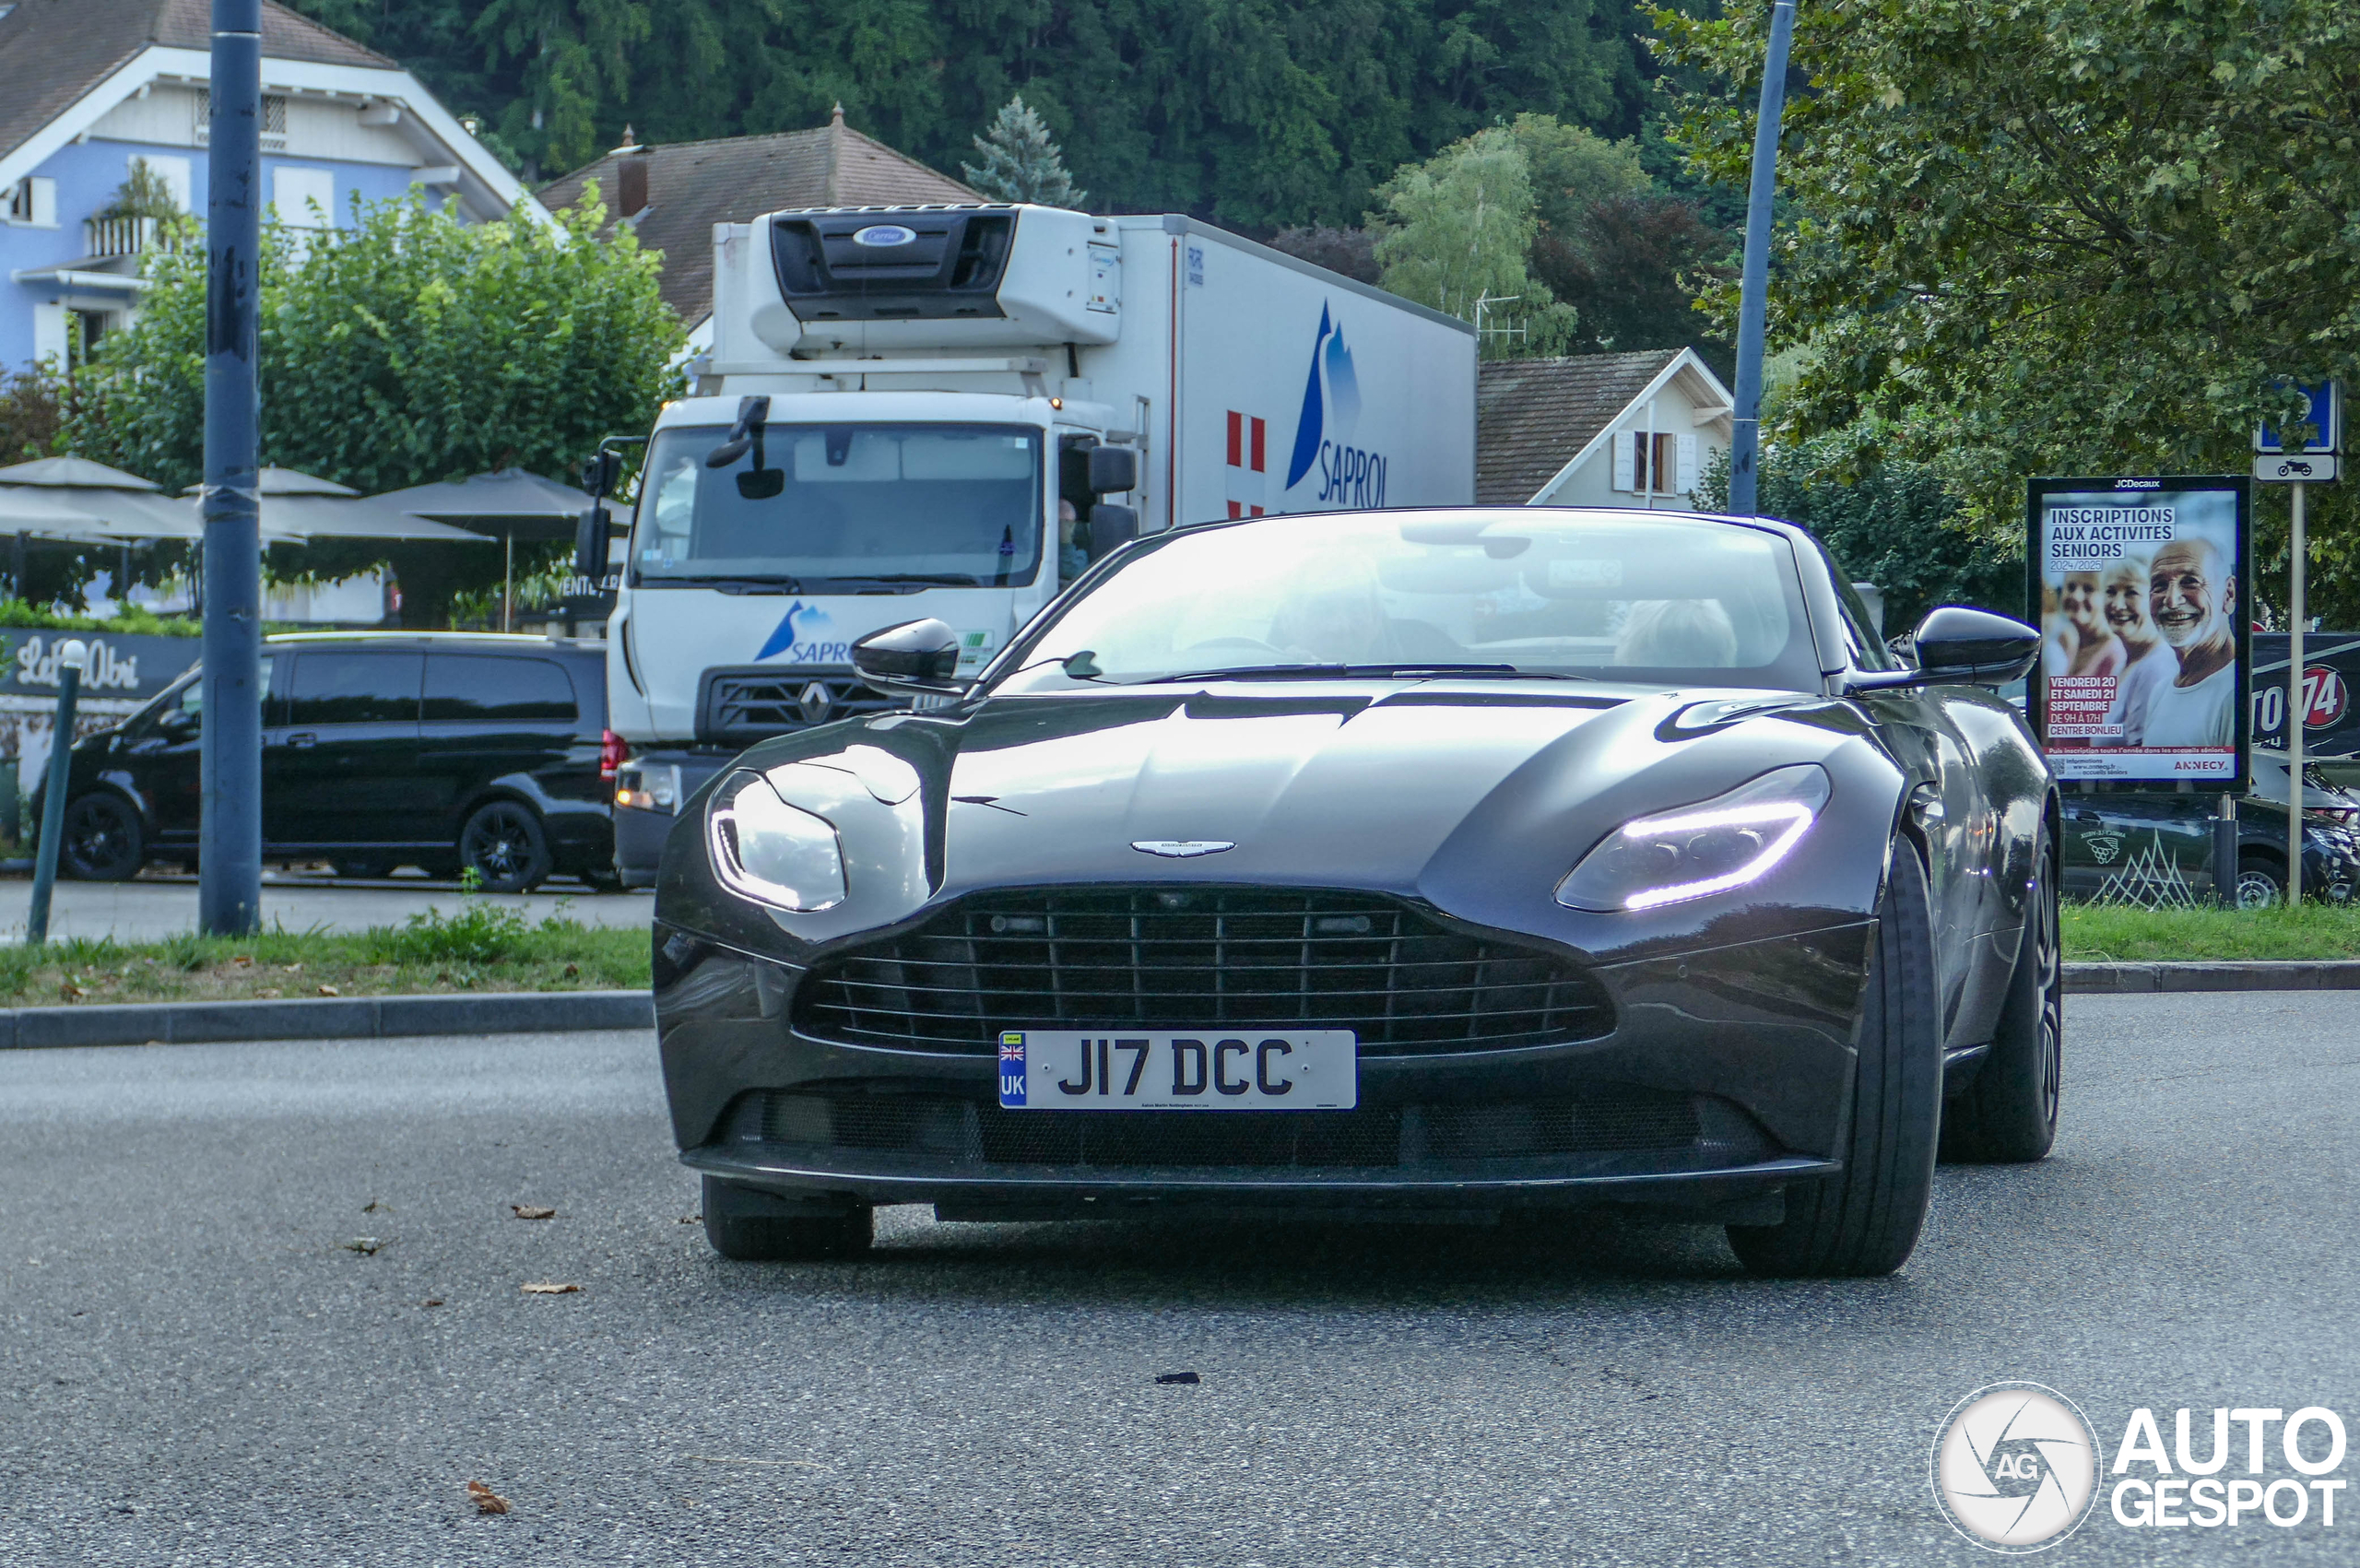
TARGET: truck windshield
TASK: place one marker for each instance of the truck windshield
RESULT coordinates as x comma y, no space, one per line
850,505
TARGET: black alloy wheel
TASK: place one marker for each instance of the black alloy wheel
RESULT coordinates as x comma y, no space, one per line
750,1226
2007,1113
103,841
1865,1221
503,844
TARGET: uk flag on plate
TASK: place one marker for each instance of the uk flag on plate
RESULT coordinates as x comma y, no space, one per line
1012,1070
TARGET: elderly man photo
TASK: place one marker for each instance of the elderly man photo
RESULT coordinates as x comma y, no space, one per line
2192,598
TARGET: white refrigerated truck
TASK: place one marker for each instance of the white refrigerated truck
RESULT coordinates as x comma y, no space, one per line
907,399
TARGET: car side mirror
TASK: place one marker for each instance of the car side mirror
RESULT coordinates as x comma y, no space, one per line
917,656
1956,643
1111,528
1113,469
592,532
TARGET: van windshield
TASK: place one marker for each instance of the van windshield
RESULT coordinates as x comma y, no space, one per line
844,505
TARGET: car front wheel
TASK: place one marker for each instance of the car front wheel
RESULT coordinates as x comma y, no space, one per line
2008,1112
1865,1222
504,846
103,841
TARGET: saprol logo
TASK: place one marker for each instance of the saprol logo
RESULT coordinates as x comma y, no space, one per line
2015,1467
803,634
1349,475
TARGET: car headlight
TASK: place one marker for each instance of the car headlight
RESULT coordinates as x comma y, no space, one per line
1710,847
648,786
770,852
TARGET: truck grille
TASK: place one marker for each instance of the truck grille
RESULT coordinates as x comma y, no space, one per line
742,706
1604,1122
1197,958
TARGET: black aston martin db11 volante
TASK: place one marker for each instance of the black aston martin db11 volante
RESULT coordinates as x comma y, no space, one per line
1461,861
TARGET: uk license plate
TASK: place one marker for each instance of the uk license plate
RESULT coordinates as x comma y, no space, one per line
1309,1070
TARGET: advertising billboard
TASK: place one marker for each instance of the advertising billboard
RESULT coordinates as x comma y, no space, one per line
2140,585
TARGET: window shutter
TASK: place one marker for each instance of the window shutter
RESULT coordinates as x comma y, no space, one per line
44,191
1627,448
49,333
1687,465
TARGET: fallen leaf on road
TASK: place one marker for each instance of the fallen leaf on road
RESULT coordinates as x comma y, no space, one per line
529,1211
433,1300
545,1288
365,1246
330,990
487,1500
374,1207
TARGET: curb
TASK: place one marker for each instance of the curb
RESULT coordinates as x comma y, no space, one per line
2330,974
324,1017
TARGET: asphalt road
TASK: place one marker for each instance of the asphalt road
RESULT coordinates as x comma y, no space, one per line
195,1370
157,904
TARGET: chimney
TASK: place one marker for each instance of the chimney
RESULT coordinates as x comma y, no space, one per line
631,184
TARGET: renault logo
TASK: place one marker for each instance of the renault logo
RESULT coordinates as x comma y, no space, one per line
1182,849
815,701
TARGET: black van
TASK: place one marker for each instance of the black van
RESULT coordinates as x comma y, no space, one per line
440,750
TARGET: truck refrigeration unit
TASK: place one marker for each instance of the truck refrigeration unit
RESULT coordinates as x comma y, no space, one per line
908,411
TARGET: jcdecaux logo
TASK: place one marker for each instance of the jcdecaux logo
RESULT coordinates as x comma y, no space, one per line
1347,474
807,635
2017,1468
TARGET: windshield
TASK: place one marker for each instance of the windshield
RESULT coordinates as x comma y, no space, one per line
956,504
1607,598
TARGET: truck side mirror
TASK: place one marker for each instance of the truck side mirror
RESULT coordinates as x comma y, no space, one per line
919,656
1113,469
591,533
1111,528
600,472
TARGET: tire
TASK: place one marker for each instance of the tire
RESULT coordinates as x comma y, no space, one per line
750,1226
103,841
2008,1113
1864,1222
2261,881
505,844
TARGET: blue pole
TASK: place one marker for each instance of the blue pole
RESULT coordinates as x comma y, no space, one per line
1745,438
52,800
228,877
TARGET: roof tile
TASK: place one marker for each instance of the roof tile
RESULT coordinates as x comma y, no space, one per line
1532,417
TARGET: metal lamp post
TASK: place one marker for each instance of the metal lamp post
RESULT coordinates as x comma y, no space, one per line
1745,433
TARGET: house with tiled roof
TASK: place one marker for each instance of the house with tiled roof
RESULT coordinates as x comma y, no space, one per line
88,88
1598,430
672,195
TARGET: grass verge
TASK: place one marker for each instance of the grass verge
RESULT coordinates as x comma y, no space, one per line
2100,933
483,948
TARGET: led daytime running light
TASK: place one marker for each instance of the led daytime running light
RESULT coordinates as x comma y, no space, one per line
725,827
1793,813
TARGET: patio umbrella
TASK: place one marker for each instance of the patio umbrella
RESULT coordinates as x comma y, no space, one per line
113,507
509,502
298,508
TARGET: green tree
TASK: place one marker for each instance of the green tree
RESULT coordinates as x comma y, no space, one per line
1021,162
1457,232
2075,237
407,347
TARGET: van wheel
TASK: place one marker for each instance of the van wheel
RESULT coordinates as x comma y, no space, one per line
2261,881
1865,1221
753,1227
103,841
503,844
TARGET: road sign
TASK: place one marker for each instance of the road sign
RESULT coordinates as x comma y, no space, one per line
2306,470
2325,415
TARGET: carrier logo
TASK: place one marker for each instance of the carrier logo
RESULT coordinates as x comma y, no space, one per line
2015,1467
1349,475
805,634
884,235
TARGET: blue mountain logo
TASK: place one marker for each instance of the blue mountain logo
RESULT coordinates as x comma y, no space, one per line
1330,403
783,638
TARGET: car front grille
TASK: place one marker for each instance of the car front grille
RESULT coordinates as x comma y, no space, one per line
1606,1122
742,706
1167,957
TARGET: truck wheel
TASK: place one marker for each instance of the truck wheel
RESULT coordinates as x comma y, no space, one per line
753,1227
1865,1222
504,846
103,841
2008,1112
